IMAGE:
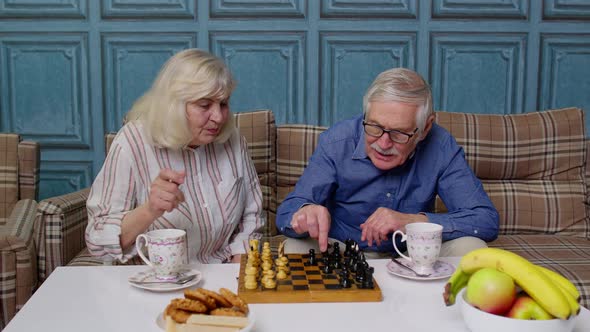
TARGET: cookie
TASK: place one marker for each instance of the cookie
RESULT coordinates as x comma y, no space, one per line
178,315
227,312
220,300
189,305
234,299
195,294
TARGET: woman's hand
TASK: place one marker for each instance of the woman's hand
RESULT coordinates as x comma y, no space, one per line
165,195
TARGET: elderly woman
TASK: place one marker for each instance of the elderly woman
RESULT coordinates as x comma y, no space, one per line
179,162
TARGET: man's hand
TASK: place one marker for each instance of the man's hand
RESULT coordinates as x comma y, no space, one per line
314,219
164,192
385,221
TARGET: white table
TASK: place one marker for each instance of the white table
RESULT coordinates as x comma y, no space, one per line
100,299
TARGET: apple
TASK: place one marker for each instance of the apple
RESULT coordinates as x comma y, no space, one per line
526,308
491,290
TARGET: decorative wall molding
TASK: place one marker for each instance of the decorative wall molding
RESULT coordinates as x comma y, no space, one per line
482,73
53,9
154,9
131,61
514,9
45,90
377,8
269,68
342,54
565,71
256,9
566,9
62,177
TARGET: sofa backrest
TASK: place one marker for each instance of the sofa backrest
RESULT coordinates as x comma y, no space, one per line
532,166
295,145
19,172
259,129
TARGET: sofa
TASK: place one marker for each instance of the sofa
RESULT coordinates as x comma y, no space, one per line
534,166
19,186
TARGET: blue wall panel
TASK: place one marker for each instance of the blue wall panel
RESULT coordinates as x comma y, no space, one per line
353,60
269,8
376,8
517,9
43,9
277,59
565,72
131,62
45,88
70,70
482,74
148,9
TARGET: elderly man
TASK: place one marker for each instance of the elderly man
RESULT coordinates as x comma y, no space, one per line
372,175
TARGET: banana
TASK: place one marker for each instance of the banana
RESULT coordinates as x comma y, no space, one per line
571,301
525,274
560,280
457,281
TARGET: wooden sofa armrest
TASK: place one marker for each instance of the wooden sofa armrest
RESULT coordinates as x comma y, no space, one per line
60,224
19,260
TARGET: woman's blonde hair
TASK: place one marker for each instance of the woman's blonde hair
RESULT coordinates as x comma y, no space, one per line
404,86
188,76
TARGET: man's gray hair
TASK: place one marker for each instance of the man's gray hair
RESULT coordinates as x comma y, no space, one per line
404,86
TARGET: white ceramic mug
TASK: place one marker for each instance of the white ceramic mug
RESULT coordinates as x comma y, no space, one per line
167,251
423,241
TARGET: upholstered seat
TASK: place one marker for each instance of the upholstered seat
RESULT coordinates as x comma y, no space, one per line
19,178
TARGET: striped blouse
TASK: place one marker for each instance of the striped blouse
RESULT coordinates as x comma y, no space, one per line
223,199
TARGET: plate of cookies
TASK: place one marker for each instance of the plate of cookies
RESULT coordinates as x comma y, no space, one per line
206,310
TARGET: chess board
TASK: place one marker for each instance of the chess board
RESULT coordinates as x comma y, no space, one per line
306,283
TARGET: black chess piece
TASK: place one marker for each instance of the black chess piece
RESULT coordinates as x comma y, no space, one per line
312,259
360,276
345,281
327,268
348,247
368,282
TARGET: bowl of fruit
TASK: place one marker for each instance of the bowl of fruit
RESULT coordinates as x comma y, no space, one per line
500,291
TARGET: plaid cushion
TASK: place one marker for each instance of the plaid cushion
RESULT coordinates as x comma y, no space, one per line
18,279
28,169
567,255
258,127
59,230
531,165
295,145
8,174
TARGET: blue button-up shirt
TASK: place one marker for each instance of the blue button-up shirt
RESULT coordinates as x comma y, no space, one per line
342,178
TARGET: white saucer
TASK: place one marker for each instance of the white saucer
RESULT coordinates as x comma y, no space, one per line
149,275
161,322
441,270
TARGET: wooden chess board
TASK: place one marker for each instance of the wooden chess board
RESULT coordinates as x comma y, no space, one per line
306,283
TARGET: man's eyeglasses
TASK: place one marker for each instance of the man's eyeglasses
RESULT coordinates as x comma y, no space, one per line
395,135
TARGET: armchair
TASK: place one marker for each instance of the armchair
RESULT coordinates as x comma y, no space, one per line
19,178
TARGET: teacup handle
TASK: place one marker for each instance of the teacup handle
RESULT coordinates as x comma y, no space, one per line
139,249
404,238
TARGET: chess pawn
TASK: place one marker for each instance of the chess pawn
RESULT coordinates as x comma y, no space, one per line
251,271
270,284
250,282
281,275
266,265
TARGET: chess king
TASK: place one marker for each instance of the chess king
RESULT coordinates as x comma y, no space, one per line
375,173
